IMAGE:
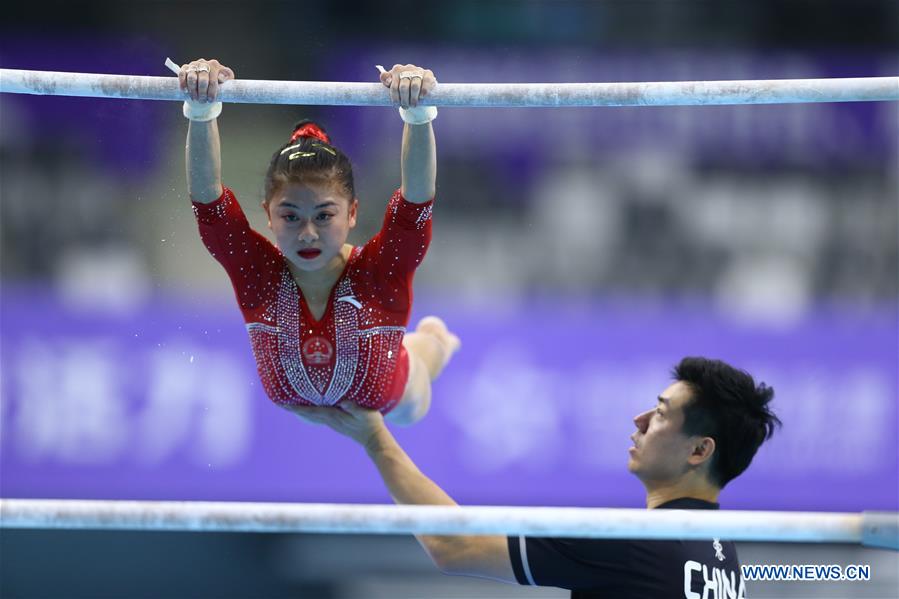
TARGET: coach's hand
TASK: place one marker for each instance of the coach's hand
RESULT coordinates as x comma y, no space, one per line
360,424
201,79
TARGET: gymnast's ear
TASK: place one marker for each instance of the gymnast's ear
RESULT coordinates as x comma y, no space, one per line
354,205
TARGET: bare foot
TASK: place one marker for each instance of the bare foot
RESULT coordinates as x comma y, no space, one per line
432,325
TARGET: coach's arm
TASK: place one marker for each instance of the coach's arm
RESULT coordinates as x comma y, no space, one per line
484,556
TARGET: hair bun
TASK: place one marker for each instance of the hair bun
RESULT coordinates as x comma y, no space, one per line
309,129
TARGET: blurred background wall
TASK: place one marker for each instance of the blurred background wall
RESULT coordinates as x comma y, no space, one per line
578,252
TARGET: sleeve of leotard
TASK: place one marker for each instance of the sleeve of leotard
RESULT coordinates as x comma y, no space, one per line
400,245
593,564
250,259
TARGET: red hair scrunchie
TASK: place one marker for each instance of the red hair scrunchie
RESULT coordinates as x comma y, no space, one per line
310,130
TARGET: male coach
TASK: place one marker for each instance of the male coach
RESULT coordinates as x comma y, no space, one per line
703,431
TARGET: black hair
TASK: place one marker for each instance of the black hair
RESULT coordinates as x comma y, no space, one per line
726,404
309,159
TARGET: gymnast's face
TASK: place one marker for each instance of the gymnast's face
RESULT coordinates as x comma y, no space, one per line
311,223
662,453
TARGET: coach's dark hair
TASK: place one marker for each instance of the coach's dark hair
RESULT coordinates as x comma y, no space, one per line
308,158
726,405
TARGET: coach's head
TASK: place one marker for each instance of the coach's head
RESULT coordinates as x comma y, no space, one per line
704,429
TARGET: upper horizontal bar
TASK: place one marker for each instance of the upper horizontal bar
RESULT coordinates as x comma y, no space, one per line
675,93
406,519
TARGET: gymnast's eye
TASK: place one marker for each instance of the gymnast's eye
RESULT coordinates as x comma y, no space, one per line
291,218
324,217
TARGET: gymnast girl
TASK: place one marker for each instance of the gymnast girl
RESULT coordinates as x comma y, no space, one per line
327,320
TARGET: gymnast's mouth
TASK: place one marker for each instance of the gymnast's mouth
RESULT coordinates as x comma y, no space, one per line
309,253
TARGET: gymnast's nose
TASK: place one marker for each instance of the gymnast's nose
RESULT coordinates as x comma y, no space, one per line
307,233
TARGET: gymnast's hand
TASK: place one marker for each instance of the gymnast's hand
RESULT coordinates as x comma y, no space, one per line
408,84
201,79
359,424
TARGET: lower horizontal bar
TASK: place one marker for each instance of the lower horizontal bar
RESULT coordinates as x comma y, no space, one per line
676,93
390,519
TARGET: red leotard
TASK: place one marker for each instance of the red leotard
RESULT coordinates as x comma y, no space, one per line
355,351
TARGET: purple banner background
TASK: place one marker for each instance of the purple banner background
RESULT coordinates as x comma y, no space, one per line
535,410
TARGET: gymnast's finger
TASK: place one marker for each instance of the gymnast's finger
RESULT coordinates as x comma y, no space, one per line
386,78
404,91
394,88
428,83
218,74
213,89
203,84
182,78
414,90
226,74
190,81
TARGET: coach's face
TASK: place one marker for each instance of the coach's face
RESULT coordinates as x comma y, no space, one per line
662,452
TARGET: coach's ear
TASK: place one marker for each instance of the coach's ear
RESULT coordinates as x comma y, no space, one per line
703,450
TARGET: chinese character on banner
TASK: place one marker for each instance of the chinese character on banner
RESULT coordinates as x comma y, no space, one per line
68,404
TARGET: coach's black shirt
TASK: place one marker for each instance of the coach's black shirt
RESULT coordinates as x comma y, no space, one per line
624,569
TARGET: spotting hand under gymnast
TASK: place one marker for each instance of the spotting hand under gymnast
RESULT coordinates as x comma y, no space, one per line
701,432
326,320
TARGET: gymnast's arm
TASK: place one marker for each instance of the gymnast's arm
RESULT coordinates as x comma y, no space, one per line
482,556
204,162
203,150
419,163
418,156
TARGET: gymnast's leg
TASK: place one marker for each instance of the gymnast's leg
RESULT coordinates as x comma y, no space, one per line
430,348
